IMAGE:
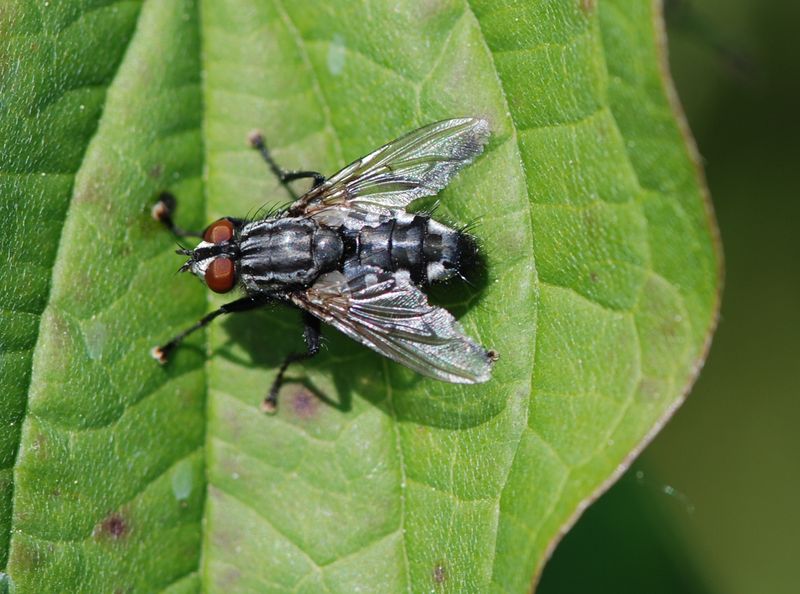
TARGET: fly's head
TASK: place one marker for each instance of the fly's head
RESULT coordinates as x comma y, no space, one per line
214,259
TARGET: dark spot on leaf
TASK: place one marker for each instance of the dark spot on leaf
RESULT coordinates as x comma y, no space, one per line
40,446
228,578
25,557
649,389
156,171
430,9
670,326
304,402
94,191
439,572
113,526
588,6
594,276
231,421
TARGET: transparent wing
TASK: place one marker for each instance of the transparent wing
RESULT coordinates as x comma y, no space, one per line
389,179
387,313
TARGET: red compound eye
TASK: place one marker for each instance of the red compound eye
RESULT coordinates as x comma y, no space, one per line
219,232
221,275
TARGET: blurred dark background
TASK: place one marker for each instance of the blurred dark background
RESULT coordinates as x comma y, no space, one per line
712,504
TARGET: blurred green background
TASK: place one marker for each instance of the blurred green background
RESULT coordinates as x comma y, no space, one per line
712,504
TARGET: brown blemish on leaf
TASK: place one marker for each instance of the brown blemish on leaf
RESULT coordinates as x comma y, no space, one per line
228,578
588,6
156,171
670,326
39,446
113,526
92,191
593,276
25,557
439,572
649,389
304,402
431,9
231,421
225,537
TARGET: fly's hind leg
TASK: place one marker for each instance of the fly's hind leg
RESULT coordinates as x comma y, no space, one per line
284,176
164,210
311,334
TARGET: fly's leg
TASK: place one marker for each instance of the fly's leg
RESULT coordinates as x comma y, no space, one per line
162,353
163,211
311,334
284,176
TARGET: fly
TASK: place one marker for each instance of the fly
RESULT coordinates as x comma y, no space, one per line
348,254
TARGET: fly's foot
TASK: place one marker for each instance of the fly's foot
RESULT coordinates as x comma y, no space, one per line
163,210
160,354
256,139
270,404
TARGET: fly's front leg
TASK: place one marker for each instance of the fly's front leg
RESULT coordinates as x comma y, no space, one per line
311,334
162,353
163,211
284,176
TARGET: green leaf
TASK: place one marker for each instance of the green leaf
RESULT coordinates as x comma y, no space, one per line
602,283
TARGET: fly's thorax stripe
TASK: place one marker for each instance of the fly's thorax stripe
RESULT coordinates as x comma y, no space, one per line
278,252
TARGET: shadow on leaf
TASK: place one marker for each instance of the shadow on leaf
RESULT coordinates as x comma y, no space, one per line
267,336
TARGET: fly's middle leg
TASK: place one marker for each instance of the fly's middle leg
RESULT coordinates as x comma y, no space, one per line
311,335
284,176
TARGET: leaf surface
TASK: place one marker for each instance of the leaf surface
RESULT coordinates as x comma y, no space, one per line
600,292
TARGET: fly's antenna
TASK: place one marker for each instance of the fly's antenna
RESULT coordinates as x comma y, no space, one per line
182,251
181,246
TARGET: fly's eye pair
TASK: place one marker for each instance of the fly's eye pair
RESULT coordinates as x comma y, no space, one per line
219,232
221,274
